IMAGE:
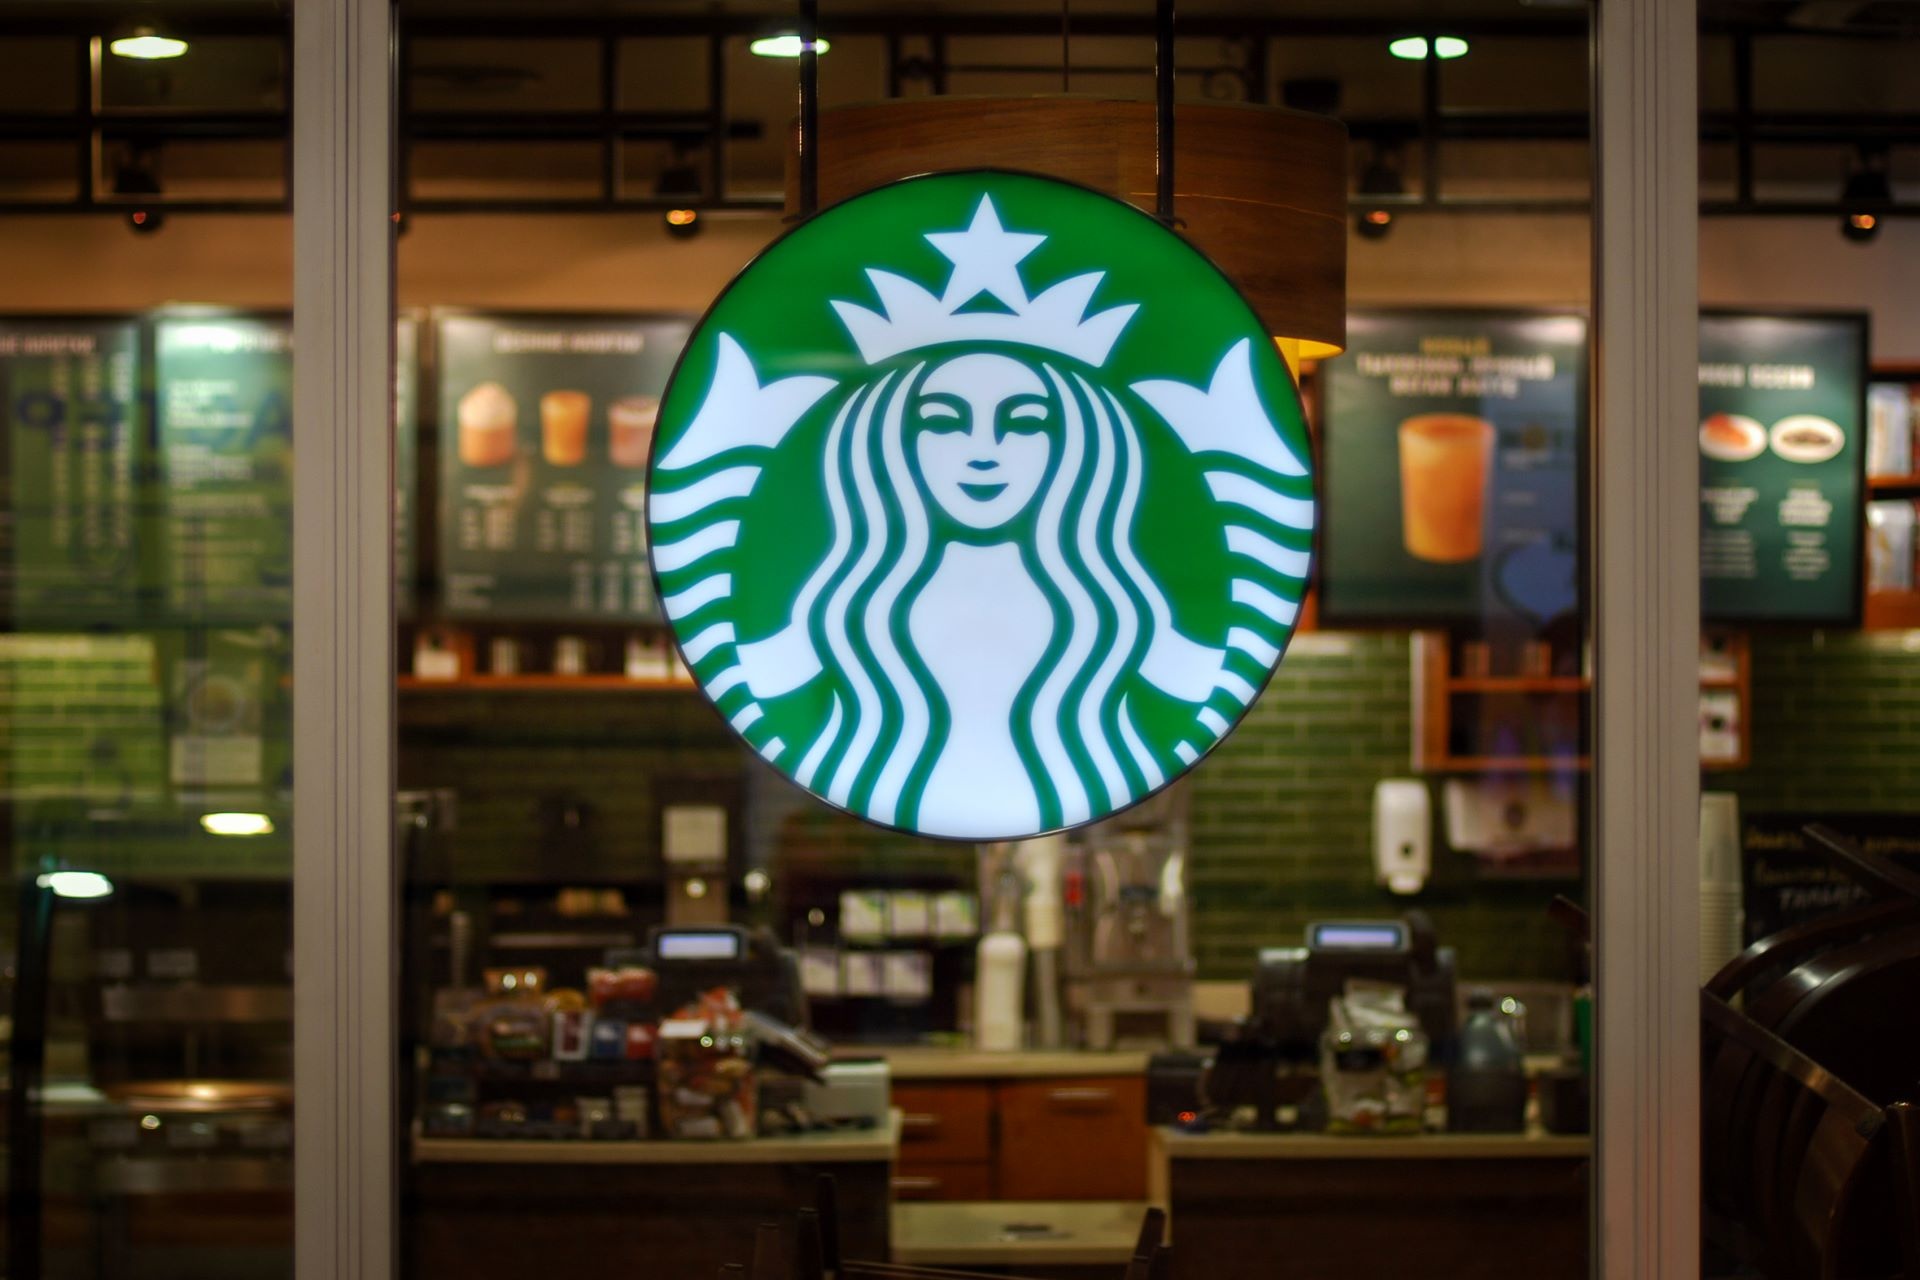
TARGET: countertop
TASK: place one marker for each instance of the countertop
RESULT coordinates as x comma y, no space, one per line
918,1062
975,1234
1179,1145
845,1146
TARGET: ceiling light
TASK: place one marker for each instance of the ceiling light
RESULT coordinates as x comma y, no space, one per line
148,44
1381,185
75,884
1866,196
237,824
1414,48
786,45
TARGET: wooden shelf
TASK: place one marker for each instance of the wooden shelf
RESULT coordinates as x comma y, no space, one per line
1518,684
1510,764
1891,610
543,684
1895,485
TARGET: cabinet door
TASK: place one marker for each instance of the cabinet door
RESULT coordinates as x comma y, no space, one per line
944,1122
1073,1139
966,1180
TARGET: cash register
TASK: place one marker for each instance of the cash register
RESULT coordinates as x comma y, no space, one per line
1292,985
1270,1059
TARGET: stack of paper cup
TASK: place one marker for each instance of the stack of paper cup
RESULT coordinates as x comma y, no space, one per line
1721,918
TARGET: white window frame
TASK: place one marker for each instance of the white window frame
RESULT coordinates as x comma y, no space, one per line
1644,532
344,890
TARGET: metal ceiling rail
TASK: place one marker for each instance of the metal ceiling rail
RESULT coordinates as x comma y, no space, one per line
916,49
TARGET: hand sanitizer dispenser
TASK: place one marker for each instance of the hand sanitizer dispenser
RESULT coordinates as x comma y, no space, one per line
1402,834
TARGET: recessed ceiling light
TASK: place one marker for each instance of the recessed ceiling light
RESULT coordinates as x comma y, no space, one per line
787,45
148,44
237,824
1414,48
76,884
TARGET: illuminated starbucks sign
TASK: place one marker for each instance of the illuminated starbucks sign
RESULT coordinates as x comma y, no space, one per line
981,505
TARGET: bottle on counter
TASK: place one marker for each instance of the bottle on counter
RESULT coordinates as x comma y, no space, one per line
999,983
1487,1087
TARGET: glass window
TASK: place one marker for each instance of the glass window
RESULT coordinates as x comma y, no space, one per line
146,647
1808,812
635,804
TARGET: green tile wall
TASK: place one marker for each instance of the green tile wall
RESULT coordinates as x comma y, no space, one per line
1836,724
1282,812
1283,823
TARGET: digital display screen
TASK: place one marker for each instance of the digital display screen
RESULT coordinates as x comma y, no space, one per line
1359,937
718,945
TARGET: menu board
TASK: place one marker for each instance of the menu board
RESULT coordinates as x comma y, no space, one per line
224,404
545,426
1782,452
73,454
84,717
406,456
1452,446
1787,881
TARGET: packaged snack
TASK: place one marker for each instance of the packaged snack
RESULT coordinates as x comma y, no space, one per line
708,1087
516,982
570,1031
1890,545
607,1040
1889,429
517,1032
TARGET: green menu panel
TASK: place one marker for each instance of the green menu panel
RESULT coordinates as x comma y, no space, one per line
1452,446
224,404
72,475
1782,450
545,424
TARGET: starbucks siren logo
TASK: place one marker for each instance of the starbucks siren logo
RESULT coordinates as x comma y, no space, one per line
980,505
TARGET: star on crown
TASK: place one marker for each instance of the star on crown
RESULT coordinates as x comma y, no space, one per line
986,259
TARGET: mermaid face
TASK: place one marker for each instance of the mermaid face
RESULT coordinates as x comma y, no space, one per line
984,428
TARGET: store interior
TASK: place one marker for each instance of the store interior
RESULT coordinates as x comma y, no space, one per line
577,184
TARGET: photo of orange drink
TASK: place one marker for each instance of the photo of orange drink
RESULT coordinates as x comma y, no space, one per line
1444,459
563,427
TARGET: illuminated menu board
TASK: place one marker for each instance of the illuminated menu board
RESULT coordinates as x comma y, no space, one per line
1782,457
1452,445
545,425
223,400
71,481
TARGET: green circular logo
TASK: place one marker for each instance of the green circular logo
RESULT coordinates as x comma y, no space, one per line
981,505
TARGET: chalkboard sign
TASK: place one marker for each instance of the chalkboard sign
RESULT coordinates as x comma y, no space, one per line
223,399
71,473
1782,467
545,423
1787,881
1453,445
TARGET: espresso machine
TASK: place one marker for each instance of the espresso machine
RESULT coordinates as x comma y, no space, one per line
1129,959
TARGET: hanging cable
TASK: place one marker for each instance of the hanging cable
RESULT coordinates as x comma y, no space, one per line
808,143
1163,108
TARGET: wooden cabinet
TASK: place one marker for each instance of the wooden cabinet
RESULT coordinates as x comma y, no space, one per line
1073,1139
1044,1138
946,1141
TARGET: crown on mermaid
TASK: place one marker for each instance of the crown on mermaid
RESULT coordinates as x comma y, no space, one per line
986,259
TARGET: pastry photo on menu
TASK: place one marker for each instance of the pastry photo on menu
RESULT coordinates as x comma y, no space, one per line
1732,437
1806,437
488,419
